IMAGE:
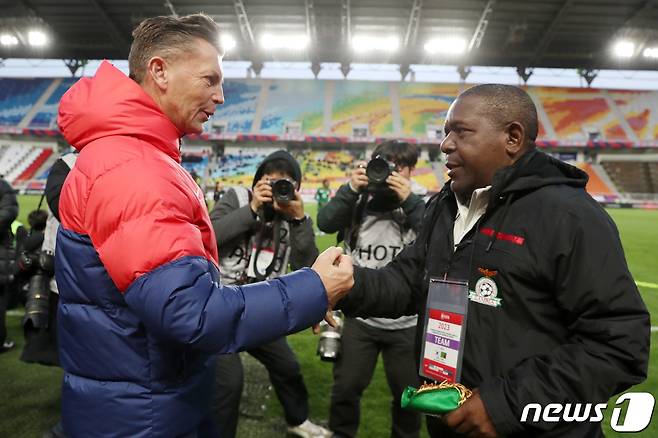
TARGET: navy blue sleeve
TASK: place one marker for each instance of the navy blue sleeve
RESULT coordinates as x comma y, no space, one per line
183,302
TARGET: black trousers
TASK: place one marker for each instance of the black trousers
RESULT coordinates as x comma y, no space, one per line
7,257
360,347
4,299
285,376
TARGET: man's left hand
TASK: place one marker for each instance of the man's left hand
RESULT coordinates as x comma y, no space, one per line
293,209
400,185
471,419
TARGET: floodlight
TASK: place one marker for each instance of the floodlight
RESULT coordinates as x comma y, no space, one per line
37,38
296,41
446,45
7,39
228,42
650,52
371,43
624,49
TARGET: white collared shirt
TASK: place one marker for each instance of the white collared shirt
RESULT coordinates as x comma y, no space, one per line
467,216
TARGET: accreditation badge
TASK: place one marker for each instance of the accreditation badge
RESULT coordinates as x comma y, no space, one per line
444,330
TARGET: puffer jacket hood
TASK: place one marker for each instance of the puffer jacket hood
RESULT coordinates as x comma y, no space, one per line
110,104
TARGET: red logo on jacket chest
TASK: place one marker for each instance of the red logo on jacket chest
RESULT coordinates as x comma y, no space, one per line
517,240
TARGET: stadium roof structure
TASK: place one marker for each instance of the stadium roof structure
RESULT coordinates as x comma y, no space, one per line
516,33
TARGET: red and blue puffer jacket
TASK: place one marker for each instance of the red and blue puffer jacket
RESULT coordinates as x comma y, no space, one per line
142,310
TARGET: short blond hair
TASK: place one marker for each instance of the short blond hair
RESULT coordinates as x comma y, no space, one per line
168,37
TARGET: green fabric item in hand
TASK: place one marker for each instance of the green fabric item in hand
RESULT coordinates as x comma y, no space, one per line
431,401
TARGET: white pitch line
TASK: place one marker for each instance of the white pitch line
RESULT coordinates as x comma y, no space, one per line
647,284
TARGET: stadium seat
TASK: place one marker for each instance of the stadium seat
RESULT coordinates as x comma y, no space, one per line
45,118
632,176
18,96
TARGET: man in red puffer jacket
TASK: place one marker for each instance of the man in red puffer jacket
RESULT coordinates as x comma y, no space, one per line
142,310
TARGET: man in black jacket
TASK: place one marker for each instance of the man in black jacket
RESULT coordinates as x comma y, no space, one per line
554,315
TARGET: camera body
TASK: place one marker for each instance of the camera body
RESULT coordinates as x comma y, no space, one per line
330,339
283,190
27,262
42,262
47,262
378,169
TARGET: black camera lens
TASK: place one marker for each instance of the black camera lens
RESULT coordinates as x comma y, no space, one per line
378,170
283,190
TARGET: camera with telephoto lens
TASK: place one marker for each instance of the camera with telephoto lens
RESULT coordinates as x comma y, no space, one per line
378,169
283,190
329,343
40,267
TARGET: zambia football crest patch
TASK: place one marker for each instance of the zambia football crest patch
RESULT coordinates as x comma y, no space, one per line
486,289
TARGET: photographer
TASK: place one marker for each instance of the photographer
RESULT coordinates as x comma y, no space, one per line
8,213
36,259
41,334
259,234
26,266
376,215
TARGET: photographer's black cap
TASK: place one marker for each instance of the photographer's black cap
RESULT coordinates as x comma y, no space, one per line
280,155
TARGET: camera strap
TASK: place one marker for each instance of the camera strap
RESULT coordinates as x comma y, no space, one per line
43,195
357,215
260,239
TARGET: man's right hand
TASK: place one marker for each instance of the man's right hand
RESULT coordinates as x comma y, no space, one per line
262,195
359,180
336,272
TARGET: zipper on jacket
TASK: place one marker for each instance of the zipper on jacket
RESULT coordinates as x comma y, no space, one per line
463,244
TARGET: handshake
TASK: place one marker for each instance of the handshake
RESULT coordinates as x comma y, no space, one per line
337,275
